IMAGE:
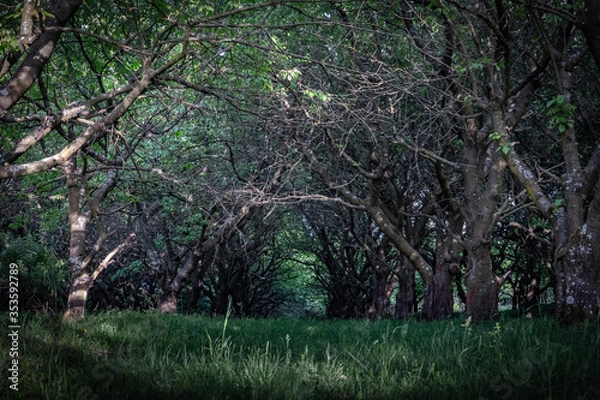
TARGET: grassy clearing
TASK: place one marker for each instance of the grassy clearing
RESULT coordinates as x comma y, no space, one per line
129,355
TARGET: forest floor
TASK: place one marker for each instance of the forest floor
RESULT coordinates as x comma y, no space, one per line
128,355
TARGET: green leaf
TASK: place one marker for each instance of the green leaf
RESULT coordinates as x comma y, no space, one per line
46,13
559,203
495,136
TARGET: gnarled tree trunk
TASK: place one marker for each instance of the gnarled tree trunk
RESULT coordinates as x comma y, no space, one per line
575,221
483,180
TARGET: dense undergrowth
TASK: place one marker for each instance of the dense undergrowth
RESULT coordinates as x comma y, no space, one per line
126,355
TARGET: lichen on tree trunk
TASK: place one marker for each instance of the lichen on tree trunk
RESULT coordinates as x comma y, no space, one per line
577,290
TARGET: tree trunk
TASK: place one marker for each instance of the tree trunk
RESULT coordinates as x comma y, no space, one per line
78,293
78,220
405,299
483,184
167,303
381,296
83,281
577,264
383,278
196,292
482,284
576,223
82,278
439,295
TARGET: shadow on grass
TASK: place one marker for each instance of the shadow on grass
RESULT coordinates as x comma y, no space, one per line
137,356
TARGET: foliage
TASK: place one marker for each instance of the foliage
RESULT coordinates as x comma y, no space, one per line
393,123
560,113
43,280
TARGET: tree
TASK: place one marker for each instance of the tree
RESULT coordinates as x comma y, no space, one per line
572,204
358,87
180,124
86,101
246,271
88,126
342,241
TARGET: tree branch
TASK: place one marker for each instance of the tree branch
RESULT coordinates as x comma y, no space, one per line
102,266
38,55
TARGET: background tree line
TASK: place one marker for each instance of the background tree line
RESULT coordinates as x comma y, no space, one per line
361,159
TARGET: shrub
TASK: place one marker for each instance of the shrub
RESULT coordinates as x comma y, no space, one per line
43,278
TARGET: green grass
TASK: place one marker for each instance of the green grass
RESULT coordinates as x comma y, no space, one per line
126,355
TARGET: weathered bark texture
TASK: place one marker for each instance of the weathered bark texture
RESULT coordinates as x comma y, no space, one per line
483,185
577,269
78,294
83,282
576,222
78,223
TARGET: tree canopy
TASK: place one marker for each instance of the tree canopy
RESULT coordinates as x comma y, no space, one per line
367,159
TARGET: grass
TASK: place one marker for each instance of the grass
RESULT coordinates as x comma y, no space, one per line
127,355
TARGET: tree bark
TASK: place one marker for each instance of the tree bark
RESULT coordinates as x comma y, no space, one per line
577,266
439,295
483,184
83,282
575,223
482,284
38,54
78,224
167,302
382,289
405,298
79,259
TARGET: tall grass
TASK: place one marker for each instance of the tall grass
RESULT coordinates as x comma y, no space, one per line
125,355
